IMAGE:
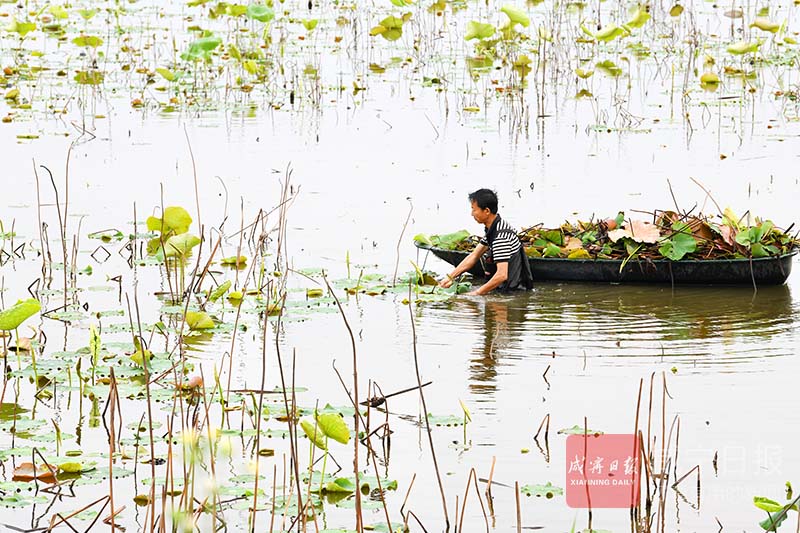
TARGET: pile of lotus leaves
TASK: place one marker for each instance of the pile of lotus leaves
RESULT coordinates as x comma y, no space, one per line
670,235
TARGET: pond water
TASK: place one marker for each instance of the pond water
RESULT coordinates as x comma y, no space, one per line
414,138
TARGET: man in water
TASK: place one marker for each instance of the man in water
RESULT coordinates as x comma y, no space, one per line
512,270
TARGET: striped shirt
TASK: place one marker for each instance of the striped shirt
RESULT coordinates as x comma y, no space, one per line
502,240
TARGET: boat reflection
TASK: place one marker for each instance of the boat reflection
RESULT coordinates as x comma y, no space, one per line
707,324
663,313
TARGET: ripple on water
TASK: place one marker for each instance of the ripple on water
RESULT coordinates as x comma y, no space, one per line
623,324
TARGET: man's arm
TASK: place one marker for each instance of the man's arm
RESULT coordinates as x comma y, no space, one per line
499,277
464,265
501,250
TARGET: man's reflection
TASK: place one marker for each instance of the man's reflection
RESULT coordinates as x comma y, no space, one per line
502,318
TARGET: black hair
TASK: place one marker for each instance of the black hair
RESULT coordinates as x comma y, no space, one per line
485,198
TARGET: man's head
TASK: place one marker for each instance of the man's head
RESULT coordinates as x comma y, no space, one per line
484,205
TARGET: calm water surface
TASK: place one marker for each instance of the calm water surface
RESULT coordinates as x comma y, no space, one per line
728,355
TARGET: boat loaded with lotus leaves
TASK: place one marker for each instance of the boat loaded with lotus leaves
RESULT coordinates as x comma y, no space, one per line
672,248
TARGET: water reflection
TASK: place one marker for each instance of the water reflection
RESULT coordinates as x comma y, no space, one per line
503,319
663,313
621,324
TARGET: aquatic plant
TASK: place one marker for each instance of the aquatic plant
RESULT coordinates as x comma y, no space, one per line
777,512
240,57
11,319
671,236
173,244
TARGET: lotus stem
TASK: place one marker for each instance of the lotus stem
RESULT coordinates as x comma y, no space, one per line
324,464
5,357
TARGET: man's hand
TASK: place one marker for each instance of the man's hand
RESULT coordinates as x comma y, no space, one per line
499,277
466,264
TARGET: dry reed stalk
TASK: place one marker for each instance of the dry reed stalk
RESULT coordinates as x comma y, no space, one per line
274,488
489,498
64,519
53,471
162,243
677,448
413,515
663,418
380,487
62,222
779,517
39,219
258,419
261,240
110,518
635,510
546,424
405,500
425,412
170,469
211,450
162,521
519,510
194,174
282,218
206,268
5,367
650,415
585,455
356,417
400,240
695,467
312,448
265,216
301,516
367,440
648,474
455,529
112,403
283,494
290,421
143,347
241,236
133,238
230,355
474,478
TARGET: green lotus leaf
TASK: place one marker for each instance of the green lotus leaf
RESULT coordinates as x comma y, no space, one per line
260,13
21,28
176,220
333,426
14,316
611,32
314,434
87,14
341,484
87,40
220,291
89,77
516,15
236,10
202,48
181,245
744,47
640,17
197,320
679,244
548,490
167,75
478,30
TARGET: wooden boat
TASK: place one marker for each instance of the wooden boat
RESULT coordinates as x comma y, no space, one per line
761,271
